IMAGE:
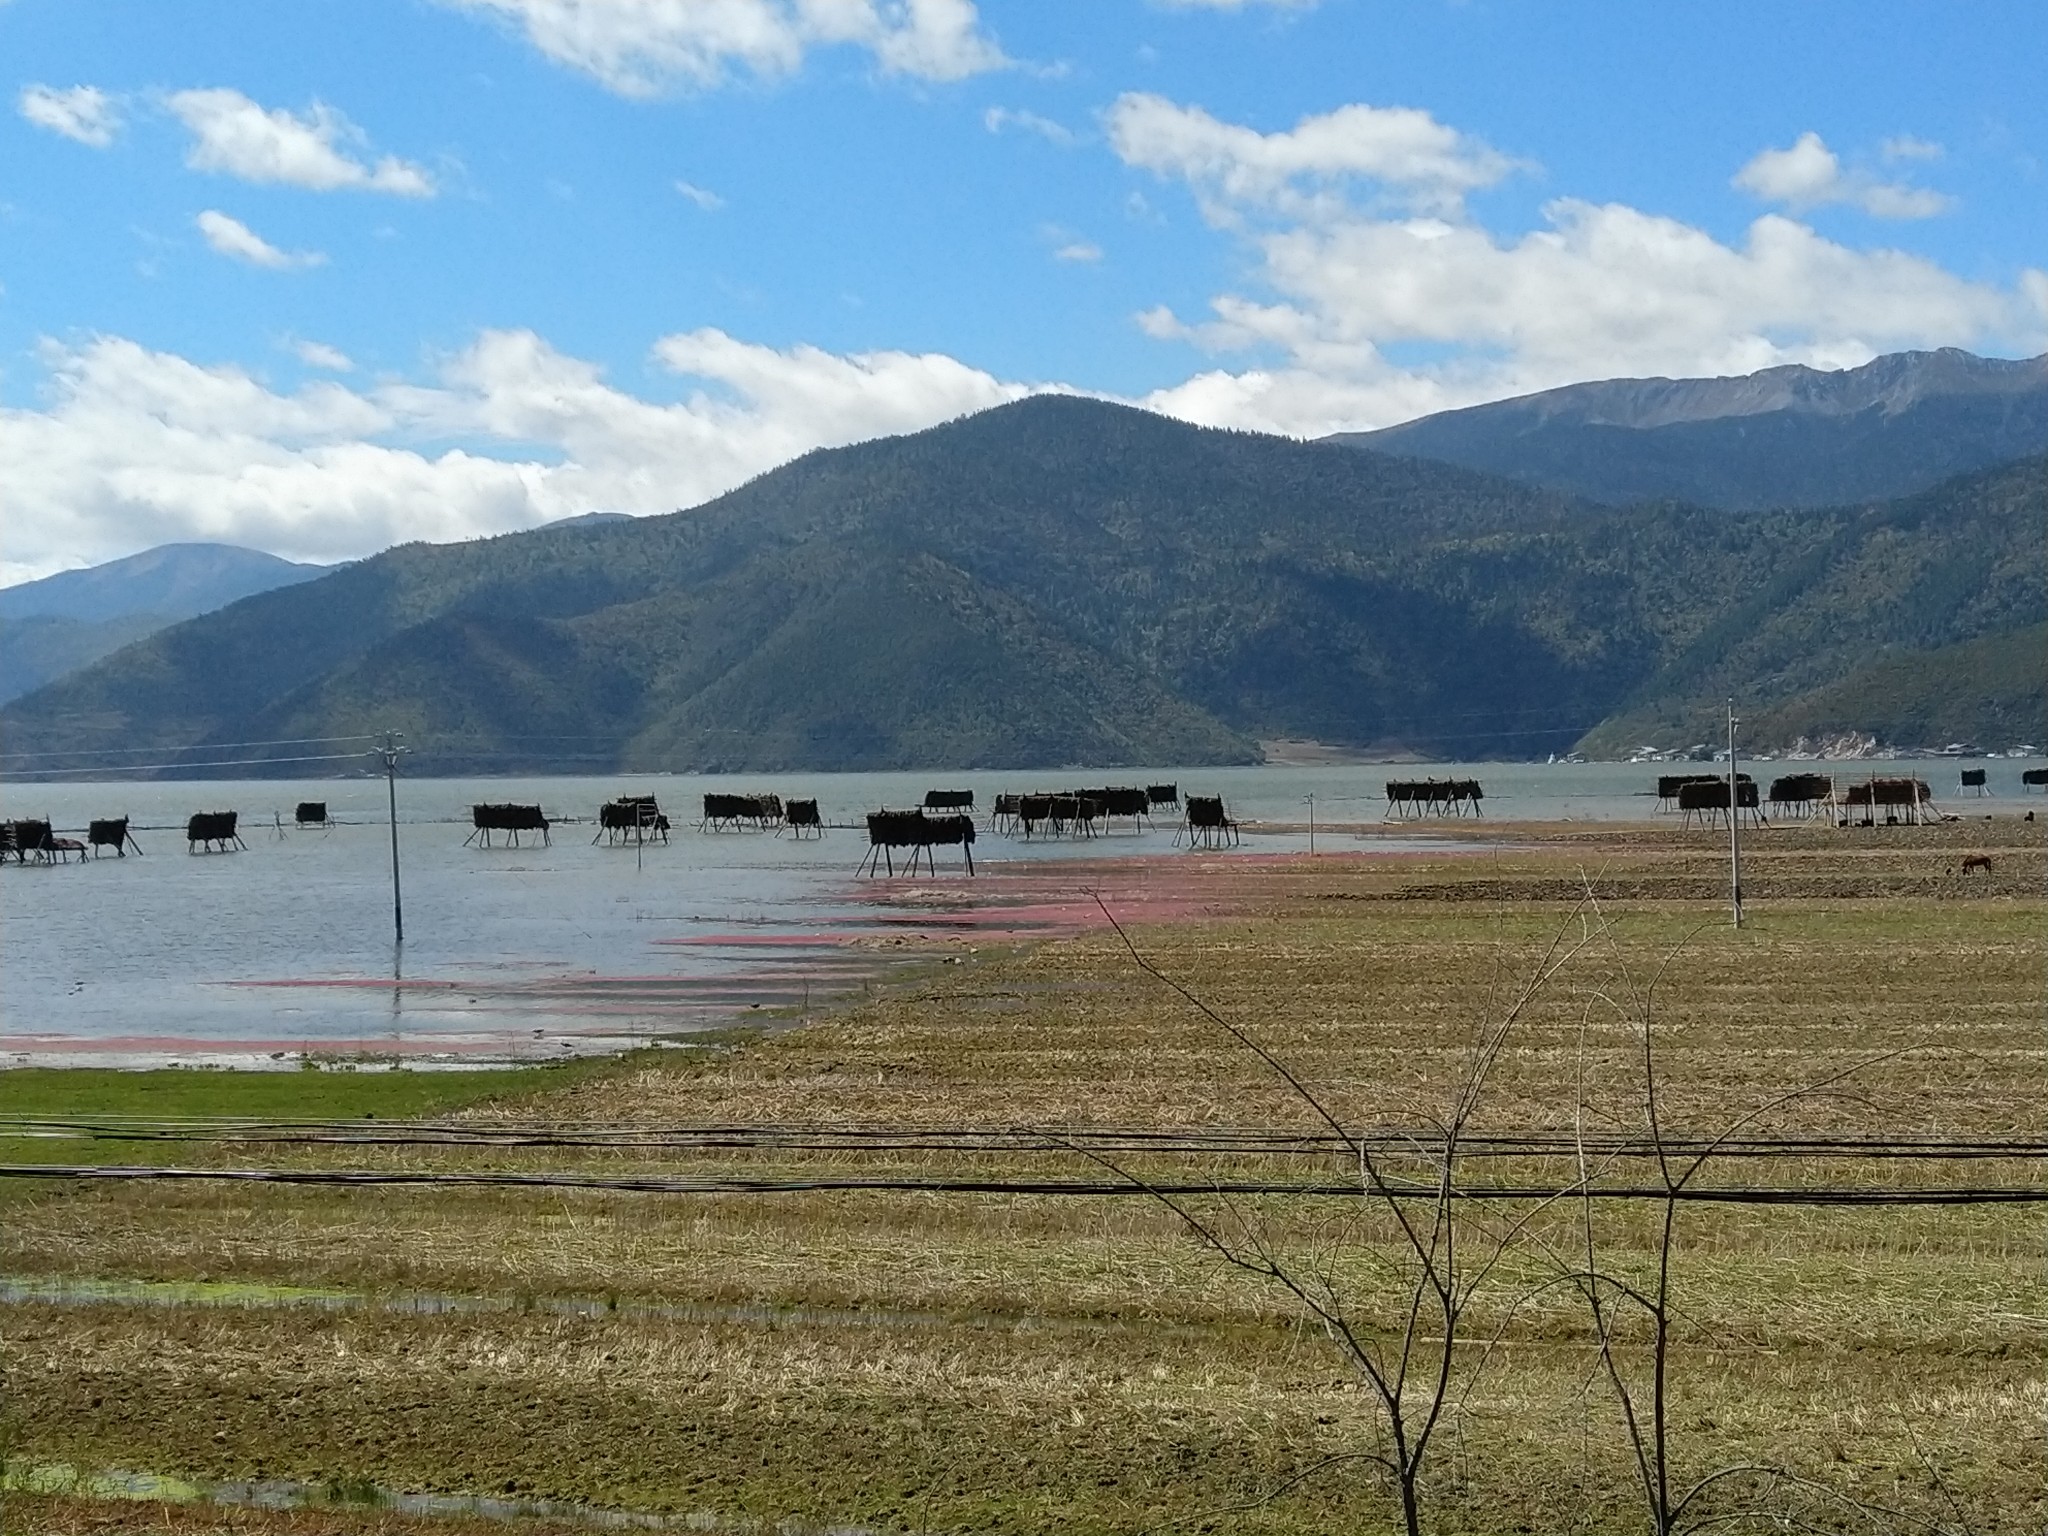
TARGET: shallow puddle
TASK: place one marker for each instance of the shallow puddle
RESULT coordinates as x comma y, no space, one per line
60,1478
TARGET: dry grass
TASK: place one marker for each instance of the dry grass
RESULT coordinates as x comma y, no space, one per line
1012,1362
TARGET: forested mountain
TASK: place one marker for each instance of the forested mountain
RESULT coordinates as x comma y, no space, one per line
1992,692
1062,581
63,622
1785,437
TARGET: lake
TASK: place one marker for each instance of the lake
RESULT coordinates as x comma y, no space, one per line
259,957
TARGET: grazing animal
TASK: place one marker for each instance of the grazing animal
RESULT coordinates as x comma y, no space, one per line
1977,861
111,834
212,831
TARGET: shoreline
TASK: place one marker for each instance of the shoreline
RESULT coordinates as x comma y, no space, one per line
872,933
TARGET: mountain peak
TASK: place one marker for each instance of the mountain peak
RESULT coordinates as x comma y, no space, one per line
1787,436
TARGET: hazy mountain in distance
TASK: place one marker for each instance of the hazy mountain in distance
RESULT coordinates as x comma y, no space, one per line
1791,436
586,519
67,621
176,581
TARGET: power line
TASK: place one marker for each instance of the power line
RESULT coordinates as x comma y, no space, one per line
202,746
232,762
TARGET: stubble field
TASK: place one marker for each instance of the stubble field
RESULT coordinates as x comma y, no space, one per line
938,1352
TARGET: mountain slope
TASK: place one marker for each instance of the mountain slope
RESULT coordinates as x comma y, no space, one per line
1835,590
1789,436
1064,581
1993,692
67,621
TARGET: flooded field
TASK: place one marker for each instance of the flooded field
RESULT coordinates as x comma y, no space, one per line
283,949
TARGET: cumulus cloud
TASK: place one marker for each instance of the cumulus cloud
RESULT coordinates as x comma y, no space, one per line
642,48
84,112
134,447
238,137
1349,294
234,239
1404,154
1005,119
1809,175
703,197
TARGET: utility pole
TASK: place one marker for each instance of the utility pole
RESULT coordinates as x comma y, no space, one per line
1734,826
1311,826
390,752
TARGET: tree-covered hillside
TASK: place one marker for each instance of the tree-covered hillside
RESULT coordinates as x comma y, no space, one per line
1064,581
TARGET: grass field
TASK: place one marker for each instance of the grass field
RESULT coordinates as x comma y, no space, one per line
914,1359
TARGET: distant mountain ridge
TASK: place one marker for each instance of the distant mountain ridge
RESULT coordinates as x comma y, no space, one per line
176,581
1789,436
1060,582
63,622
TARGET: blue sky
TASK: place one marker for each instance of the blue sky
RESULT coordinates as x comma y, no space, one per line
323,276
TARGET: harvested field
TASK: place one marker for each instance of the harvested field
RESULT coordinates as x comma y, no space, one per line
913,1359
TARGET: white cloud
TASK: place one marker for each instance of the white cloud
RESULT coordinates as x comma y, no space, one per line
708,200
134,447
1001,119
238,137
1360,316
231,237
84,112
317,354
1810,175
1905,147
1065,245
1407,155
644,47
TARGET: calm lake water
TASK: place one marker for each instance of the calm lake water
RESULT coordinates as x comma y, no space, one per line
257,957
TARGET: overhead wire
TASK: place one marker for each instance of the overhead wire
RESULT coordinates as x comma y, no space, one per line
205,746
233,762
